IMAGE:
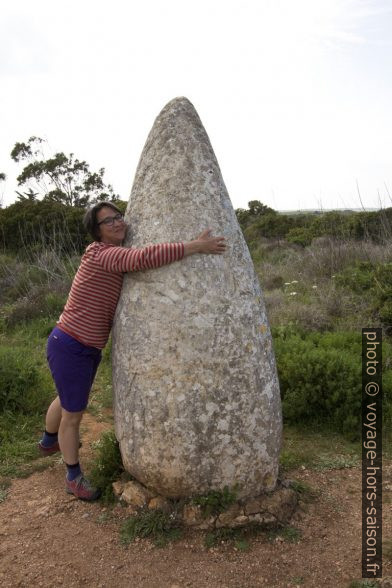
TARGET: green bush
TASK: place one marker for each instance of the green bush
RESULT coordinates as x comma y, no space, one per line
375,225
357,278
385,313
22,389
107,466
300,236
42,222
376,280
320,379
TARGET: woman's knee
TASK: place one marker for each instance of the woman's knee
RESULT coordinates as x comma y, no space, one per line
71,418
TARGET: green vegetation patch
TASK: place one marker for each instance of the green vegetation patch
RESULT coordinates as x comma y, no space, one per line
157,525
304,490
25,394
288,534
237,537
364,584
21,387
373,279
320,377
317,447
215,502
107,466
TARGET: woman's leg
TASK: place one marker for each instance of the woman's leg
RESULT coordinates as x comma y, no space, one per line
53,416
76,483
69,435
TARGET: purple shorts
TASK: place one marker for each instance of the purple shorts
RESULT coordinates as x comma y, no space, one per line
73,366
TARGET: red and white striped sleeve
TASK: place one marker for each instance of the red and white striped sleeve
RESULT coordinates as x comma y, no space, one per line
123,259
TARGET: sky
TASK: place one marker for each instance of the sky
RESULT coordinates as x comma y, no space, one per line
295,95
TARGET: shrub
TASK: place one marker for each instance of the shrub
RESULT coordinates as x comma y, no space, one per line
22,389
320,379
357,278
26,221
301,236
107,466
376,280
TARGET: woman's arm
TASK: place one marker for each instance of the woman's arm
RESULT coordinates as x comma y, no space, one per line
119,259
205,244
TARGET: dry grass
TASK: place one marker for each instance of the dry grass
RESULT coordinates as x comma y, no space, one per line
36,281
299,283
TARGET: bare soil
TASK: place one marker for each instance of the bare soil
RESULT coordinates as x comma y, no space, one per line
49,538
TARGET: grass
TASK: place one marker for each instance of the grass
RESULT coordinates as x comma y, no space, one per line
288,534
107,466
304,490
240,538
319,303
336,462
215,502
317,449
225,535
18,450
157,525
20,431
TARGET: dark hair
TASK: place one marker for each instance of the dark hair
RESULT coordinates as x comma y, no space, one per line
90,218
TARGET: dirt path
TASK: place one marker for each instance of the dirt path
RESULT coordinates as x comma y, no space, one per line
51,539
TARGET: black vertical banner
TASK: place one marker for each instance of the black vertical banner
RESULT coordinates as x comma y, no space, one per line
372,453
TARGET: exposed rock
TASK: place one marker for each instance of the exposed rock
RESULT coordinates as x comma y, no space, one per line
192,515
280,505
159,503
196,395
227,517
240,521
118,487
135,494
264,518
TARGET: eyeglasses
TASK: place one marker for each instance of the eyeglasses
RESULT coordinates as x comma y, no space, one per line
109,220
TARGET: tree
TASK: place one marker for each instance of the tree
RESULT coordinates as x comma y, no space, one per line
60,178
256,210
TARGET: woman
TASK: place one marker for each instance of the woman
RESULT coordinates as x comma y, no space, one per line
75,344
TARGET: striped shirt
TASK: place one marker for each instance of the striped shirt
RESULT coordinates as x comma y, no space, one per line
89,311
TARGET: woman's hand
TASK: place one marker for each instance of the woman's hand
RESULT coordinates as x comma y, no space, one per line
204,243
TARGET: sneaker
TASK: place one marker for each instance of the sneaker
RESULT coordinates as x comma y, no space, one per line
44,451
82,489
48,450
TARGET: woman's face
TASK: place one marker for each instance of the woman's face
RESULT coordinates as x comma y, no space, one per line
113,234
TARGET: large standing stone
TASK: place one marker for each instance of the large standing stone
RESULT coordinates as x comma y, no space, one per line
197,403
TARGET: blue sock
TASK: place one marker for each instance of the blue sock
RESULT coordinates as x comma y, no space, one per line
73,471
49,439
